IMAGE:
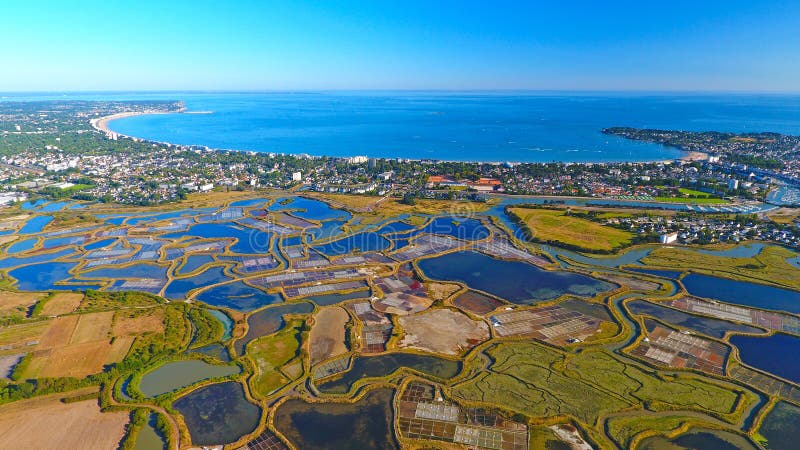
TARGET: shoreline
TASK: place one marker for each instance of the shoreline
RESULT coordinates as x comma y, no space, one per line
102,124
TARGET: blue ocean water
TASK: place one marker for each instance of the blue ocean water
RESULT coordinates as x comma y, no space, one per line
532,127
475,127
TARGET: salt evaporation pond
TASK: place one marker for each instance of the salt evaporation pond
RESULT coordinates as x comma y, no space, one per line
711,327
780,427
363,425
307,208
770,354
179,374
41,277
218,414
515,281
742,292
177,289
148,437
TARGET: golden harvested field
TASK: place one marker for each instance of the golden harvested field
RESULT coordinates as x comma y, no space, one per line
62,303
76,345
327,336
129,323
46,423
119,348
59,332
549,225
75,360
17,302
93,327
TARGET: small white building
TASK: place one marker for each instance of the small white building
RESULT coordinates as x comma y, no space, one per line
668,238
206,187
297,176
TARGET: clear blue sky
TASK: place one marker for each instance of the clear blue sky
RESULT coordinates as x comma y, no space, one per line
751,45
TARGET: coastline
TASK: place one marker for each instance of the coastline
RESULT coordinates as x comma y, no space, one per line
102,124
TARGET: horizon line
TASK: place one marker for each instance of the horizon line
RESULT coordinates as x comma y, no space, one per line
410,90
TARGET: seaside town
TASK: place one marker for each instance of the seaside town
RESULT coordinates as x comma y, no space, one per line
65,150
400,225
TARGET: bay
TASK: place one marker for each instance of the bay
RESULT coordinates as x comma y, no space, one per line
477,126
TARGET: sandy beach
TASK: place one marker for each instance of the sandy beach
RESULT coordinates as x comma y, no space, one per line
101,123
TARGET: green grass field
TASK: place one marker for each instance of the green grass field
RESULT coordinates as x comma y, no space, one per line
697,197
687,191
549,225
538,381
271,353
698,201
769,266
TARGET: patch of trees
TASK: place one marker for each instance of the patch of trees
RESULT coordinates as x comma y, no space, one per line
206,327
